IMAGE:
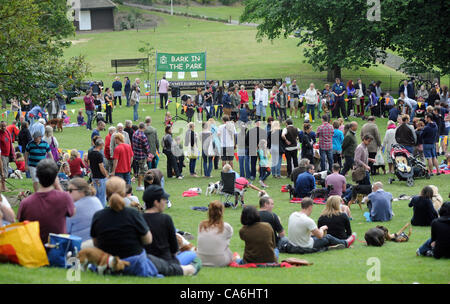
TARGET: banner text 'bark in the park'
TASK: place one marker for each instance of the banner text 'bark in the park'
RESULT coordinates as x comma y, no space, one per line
181,62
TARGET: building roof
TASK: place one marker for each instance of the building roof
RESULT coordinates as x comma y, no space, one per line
92,4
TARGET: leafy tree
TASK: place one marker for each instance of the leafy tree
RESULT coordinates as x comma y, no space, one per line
421,37
336,33
149,52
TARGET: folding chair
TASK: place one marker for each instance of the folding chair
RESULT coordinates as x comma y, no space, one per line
228,180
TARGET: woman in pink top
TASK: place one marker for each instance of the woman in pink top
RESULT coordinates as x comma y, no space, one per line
244,95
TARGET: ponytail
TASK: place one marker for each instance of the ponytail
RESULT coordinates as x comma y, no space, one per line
116,202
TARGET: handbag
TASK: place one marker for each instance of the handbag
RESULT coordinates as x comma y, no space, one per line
54,151
20,243
358,174
379,160
61,247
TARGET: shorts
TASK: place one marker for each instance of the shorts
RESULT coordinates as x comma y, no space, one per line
33,174
227,153
294,103
142,163
429,151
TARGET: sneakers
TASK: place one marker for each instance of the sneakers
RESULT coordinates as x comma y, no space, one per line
180,177
262,184
338,246
141,188
351,239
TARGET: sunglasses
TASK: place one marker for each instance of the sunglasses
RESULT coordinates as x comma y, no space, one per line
71,190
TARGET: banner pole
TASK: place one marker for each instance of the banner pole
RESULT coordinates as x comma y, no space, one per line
205,71
156,72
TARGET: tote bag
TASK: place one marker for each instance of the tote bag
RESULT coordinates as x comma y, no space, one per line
54,151
379,160
62,246
20,243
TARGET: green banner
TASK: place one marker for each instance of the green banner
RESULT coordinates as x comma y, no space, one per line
181,62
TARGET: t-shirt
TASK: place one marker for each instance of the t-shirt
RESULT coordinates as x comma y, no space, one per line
259,243
213,248
241,183
95,159
95,133
75,166
338,181
123,154
50,209
36,152
299,230
119,233
80,223
163,86
273,220
338,225
380,206
164,244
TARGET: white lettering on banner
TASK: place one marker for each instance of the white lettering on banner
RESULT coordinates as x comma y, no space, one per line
193,66
195,58
180,59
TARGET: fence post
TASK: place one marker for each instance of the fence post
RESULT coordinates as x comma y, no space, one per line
390,82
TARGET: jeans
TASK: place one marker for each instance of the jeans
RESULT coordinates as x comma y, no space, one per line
207,164
326,154
291,157
128,95
100,189
62,106
310,109
348,164
261,110
219,111
263,173
125,176
276,162
135,111
410,149
253,161
192,162
89,122
413,112
163,97
426,247
282,114
273,109
108,118
244,166
327,240
186,257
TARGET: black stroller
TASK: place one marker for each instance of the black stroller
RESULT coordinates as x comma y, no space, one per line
406,167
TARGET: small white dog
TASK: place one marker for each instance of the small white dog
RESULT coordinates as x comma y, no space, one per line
16,175
213,188
198,190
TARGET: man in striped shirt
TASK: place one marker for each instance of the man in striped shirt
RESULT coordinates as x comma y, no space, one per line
141,149
325,134
36,151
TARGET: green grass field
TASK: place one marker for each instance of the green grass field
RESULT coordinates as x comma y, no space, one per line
217,11
233,53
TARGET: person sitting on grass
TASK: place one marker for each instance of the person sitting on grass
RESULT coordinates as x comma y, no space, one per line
267,215
213,239
123,232
305,182
423,210
338,222
164,244
76,163
86,204
438,245
240,184
49,205
304,236
7,215
130,199
260,245
379,204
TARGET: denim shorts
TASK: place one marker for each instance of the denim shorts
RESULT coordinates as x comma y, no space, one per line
429,150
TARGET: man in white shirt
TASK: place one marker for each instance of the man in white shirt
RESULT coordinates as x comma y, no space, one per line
261,101
226,134
411,103
163,90
301,227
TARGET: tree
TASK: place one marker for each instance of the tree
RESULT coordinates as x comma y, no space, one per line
31,49
421,36
146,65
336,33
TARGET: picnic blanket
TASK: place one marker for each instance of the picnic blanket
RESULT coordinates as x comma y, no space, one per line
319,201
443,171
284,189
189,193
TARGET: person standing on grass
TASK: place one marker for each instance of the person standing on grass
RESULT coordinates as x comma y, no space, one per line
99,173
312,98
338,90
107,151
290,137
191,144
388,142
349,146
117,87
244,96
338,138
122,159
127,90
108,105
294,93
100,127
6,151
119,130
36,151
429,134
261,101
89,107
362,158
134,101
227,133
141,150
168,143
163,91
405,134
153,142
370,128
325,133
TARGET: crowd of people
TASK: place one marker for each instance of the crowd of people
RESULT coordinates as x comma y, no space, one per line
64,201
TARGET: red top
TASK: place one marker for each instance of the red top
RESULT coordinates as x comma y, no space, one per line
75,166
20,165
244,96
14,131
89,103
5,143
123,153
107,151
241,183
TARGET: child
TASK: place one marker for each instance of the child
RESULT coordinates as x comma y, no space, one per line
65,117
168,119
20,162
75,164
80,118
264,170
243,113
189,109
130,199
282,104
341,124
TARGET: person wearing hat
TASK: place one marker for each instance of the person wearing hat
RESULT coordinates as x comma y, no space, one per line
164,244
36,151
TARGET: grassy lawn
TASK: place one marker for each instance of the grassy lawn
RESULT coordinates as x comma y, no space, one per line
398,261
218,11
233,53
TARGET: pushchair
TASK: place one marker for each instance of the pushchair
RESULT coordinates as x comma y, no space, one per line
406,167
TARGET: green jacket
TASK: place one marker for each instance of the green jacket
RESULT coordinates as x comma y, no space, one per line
349,144
152,136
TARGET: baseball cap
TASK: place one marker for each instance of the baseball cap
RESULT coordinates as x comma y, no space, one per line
154,193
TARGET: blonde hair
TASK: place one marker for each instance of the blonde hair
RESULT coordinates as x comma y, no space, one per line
437,198
66,157
275,125
73,154
226,168
333,206
115,192
48,131
119,137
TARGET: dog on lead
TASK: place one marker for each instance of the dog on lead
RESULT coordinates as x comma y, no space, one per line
101,259
378,235
56,123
